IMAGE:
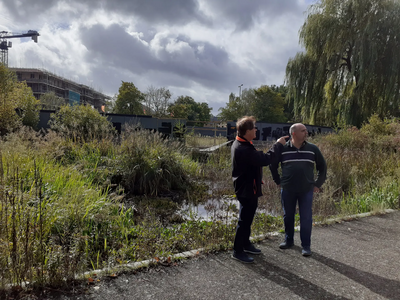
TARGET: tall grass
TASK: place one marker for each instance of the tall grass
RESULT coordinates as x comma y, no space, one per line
151,165
67,207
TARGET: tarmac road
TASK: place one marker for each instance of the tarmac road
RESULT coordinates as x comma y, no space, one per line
358,259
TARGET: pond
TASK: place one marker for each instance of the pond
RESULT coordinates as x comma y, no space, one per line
212,209
226,208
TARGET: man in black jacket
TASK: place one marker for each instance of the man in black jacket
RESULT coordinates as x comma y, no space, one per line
297,184
247,165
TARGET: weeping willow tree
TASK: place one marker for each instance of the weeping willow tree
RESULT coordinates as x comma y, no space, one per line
350,68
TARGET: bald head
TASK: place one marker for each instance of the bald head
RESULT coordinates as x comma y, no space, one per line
298,132
295,127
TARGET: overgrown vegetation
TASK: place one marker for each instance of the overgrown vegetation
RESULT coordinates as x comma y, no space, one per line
81,123
18,106
68,204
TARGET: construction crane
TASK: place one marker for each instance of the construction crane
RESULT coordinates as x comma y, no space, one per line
4,44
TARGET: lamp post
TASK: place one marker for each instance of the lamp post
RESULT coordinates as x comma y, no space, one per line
240,91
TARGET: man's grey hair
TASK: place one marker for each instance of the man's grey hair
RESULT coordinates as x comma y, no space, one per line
293,128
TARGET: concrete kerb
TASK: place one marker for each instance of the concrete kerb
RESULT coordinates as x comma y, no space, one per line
129,266
351,217
326,222
139,264
193,253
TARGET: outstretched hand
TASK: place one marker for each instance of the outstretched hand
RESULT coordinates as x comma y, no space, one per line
282,139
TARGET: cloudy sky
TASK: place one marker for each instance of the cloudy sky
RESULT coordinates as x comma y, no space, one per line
201,48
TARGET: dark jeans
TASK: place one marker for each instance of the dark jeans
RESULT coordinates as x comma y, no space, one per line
289,200
247,211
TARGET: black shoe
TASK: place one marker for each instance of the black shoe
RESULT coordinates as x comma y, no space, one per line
251,249
242,257
286,245
306,252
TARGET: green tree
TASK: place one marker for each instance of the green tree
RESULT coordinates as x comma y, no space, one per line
231,110
28,106
179,111
265,103
268,105
288,106
351,65
129,100
185,107
51,101
81,122
237,107
18,106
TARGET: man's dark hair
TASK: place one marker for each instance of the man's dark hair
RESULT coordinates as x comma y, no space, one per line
244,124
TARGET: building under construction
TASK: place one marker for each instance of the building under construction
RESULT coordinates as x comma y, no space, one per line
42,81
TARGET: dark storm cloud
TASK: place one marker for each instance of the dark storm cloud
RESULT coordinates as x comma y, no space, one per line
244,13
169,12
113,46
151,11
158,11
37,12
26,8
200,61
192,61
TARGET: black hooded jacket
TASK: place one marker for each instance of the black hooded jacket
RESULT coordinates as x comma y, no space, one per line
247,165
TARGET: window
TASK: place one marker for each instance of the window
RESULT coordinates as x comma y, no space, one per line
32,75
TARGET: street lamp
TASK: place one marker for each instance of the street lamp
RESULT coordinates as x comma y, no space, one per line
240,91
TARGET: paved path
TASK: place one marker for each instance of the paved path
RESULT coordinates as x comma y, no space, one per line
359,259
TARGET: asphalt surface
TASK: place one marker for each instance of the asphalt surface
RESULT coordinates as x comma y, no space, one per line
357,259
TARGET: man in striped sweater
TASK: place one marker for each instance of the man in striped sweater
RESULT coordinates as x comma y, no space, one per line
298,184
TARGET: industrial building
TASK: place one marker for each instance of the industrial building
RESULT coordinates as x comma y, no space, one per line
42,81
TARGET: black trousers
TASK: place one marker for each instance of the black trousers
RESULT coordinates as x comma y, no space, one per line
247,211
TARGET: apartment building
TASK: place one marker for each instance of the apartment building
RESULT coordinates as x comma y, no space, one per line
42,81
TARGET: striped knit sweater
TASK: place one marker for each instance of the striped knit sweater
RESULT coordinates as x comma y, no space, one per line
298,168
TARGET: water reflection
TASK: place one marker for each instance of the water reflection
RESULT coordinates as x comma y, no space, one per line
226,208
215,209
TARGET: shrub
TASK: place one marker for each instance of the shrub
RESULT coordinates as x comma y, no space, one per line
18,106
378,127
81,122
152,165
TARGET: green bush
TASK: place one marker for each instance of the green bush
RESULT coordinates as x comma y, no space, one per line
81,122
18,106
378,127
151,165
